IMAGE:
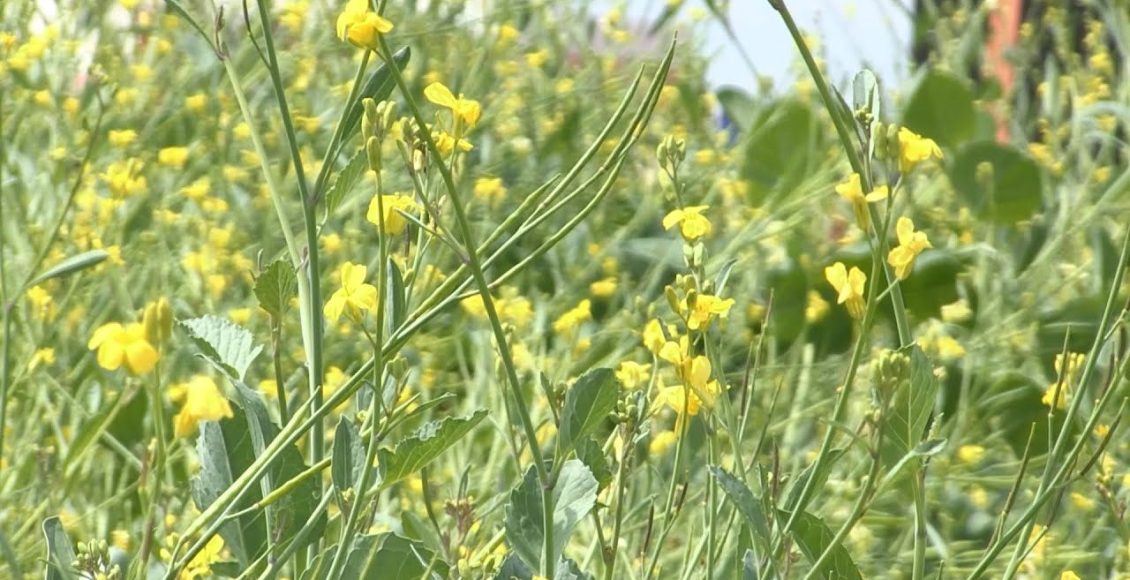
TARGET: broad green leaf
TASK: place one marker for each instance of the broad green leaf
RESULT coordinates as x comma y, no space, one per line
924,449
941,108
225,450
10,557
999,182
348,456
397,303
567,569
738,107
749,566
812,536
71,265
513,567
391,557
60,552
574,495
424,446
223,342
781,150
276,286
378,88
797,485
346,180
747,504
909,412
587,405
591,454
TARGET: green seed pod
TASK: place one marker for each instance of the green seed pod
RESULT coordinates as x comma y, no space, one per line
672,298
373,150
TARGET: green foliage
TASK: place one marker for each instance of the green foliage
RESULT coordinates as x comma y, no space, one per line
574,495
223,343
941,108
587,405
276,287
422,447
999,182
71,265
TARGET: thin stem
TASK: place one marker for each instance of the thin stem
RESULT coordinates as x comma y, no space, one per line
472,260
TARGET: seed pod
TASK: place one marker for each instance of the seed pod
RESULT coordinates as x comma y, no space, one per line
373,150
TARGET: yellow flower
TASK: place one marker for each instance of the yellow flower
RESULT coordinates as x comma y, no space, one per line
705,308
489,189
956,312
653,337
911,243
692,224
41,356
174,157
849,287
123,179
201,565
118,345
122,138
633,374
464,110
574,317
1068,575
355,297
852,190
201,400
445,143
603,288
914,149
694,372
395,206
360,26
661,443
1069,372
971,454
816,309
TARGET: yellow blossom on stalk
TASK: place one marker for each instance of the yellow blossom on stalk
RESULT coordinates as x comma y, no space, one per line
121,138
1068,575
661,443
174,157
692,224
705,309
633,374
355,297
849,287
465,110
852,190
694,372
603,288
573,318
445,143
123,179
201,565
971,454
360,26
127,345
201,400
911,243
42,304
653,337
395,206
489,189
41,356
1069,373
914,149
956,312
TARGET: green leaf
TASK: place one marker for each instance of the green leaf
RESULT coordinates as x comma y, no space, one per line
748,505
567,569
225,450
812,535
424,446
999,182
910,410
941,108
71,265
348,456
92,430
591,454
346,180
574,495
797,485
513,567
781,150
738,107
587,405
223,342
397,303
276,286
391,557
60,553
378,88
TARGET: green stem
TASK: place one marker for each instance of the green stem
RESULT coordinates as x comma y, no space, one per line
315,331
472,260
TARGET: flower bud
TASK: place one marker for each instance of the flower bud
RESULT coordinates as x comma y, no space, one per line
369,119
373,150
879,134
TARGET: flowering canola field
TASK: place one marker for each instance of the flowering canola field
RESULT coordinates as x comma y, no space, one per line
368,289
